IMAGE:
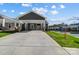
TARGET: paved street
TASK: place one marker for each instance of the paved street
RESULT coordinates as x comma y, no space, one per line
30,43
76,35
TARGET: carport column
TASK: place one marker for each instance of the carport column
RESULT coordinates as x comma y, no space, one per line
44,26
25,26
41,26
3,23
15,24
19,26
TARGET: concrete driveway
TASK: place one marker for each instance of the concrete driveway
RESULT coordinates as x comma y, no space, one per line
30,43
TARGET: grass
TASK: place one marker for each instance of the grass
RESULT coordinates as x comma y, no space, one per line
71,41
4,33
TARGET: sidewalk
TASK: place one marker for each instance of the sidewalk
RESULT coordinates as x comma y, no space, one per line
72,51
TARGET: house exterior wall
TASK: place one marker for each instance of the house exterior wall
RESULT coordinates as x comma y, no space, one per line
1,20
7,24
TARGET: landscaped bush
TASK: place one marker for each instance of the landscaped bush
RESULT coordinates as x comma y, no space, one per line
7,31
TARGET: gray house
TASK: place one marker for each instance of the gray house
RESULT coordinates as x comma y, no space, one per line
8,24
33,21
59,27
74,27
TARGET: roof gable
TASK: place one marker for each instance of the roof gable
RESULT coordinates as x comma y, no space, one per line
31,16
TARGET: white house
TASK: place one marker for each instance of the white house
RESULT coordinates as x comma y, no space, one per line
33,21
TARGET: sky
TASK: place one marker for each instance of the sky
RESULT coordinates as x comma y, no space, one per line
55,13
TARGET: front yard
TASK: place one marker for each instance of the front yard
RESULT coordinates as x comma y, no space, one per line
4,33
70,41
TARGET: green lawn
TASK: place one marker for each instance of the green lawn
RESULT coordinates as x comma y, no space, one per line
60,38
4,33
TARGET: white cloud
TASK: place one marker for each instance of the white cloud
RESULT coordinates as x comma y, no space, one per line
62,6
4,10
53,6
58,20
26,4
21,12
40,10
54,12
12,10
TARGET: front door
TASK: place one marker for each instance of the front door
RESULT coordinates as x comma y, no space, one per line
38,26
31,26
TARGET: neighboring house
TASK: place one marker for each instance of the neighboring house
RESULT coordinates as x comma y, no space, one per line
33,21
74,27
7,23
59,27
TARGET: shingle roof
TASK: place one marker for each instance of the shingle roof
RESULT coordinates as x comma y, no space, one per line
31,16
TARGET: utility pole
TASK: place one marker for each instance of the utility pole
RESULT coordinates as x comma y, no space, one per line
65,33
